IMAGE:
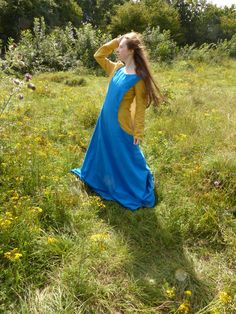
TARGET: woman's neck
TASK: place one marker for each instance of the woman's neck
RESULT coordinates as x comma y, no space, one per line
130,65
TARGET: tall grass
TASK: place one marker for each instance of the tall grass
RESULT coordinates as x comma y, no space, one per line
65,250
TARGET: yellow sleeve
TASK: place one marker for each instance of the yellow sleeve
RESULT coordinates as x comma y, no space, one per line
104,51
141,105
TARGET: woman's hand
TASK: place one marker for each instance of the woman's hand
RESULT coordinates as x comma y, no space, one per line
119,38
136,141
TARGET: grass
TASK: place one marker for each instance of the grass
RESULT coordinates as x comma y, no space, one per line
65,250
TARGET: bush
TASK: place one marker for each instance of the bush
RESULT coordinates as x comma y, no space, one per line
62,49
232,46
211,53
75,82
161,47
89,40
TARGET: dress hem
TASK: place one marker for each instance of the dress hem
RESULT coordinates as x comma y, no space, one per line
110,198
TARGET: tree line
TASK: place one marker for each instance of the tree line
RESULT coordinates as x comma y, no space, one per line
189,21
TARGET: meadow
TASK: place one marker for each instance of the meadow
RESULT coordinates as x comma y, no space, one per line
65,250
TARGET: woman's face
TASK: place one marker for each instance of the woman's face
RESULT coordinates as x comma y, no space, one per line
122,51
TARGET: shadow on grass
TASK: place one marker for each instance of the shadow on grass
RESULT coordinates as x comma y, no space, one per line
156,254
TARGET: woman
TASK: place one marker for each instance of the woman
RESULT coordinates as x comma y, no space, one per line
114,165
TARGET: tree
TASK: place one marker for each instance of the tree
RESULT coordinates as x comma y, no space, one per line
204,22
208,26
165,16
18,15
189,11
129,16
228,22
98,12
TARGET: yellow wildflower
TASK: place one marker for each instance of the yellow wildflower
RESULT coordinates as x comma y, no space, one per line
170,292
188,293
215,311
19,178
180,136
15,195
35,229
36,209
224,297
184,308
55,178
47,191
99,202
8,214
51,240
13,255
100,239
14,198
4,223
43,177
102,246
99,236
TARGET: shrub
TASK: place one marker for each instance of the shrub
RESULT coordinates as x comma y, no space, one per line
161,47
89,40
76,82
62,49
232,46
211,53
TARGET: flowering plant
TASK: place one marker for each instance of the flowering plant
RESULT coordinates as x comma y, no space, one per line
14,87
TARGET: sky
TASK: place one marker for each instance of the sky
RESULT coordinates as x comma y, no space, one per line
222,3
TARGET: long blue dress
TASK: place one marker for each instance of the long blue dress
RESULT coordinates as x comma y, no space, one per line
113,166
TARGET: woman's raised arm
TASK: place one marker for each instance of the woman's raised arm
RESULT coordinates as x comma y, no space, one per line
104,51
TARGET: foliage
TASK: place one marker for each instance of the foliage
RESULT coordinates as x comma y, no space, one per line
204,22
72,47
89,40
232,46
16,16
160,45
99,12
59,50
128,17
165,16
189,12
228,24
208,26
209,53
13,88
189,21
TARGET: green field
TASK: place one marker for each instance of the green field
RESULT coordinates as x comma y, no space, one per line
65,250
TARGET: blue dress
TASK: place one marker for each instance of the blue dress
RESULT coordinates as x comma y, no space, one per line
113,166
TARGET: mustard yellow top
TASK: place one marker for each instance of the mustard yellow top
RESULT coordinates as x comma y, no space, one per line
131,113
